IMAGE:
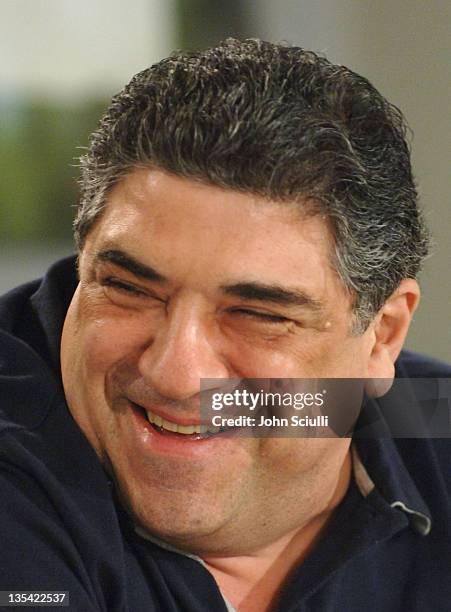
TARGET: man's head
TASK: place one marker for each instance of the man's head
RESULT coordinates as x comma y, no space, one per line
247,212
279,122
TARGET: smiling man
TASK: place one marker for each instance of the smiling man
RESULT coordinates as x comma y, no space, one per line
246,212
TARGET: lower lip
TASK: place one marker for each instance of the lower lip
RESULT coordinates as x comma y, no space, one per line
175,444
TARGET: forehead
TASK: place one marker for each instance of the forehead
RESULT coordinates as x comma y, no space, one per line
160,218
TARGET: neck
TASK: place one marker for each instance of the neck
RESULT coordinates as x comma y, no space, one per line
252,582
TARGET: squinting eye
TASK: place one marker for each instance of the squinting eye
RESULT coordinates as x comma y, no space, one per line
262,316
123,287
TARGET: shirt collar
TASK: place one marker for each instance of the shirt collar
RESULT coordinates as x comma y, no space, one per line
378,465
50,304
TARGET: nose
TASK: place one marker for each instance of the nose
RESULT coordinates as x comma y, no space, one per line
182,352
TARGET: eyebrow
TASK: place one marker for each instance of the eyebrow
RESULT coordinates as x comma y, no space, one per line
129,263
272,293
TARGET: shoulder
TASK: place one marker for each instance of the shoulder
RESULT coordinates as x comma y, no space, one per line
428,458
31,318
38,297
417,365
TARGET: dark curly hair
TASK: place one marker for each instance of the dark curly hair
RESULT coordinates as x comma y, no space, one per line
281,122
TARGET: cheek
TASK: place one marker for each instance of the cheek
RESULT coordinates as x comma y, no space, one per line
107,334
104,343
294,464
107,342
307,355
312,355
334,356
264,355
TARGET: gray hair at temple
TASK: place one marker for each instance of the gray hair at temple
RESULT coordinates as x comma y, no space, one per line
280,122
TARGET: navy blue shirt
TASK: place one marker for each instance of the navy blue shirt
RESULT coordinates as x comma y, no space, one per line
62,528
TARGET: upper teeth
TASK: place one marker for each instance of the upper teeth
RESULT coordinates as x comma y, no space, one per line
181,429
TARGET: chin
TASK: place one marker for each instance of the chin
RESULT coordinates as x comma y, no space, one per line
177,518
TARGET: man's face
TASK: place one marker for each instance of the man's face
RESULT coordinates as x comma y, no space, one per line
181,281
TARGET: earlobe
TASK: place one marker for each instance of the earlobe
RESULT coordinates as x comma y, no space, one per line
390,329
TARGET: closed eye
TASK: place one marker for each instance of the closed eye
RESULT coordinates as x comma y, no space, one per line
124,287
262,316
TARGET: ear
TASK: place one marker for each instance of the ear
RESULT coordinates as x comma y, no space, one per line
390,328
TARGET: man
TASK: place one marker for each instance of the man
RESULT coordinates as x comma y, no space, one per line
246,212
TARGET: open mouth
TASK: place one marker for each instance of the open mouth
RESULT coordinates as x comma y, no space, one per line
170,428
